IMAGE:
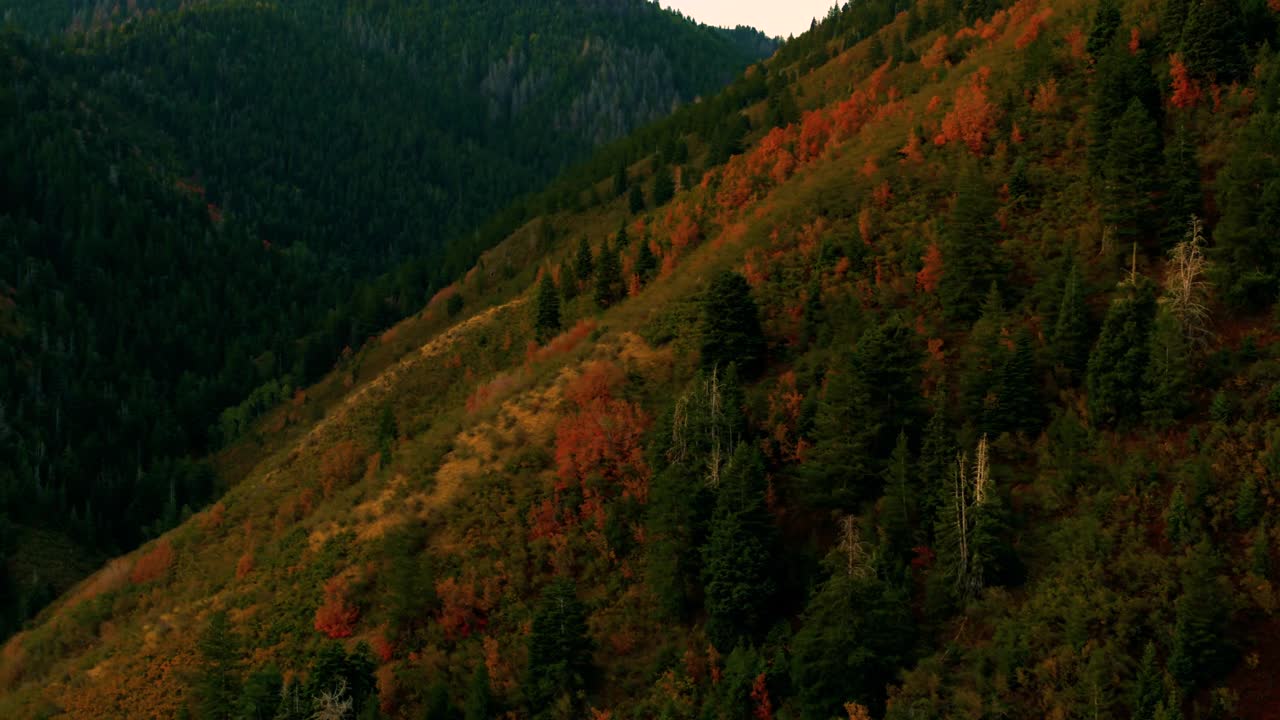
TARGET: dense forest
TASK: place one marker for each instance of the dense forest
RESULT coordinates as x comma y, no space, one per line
204,205
931,369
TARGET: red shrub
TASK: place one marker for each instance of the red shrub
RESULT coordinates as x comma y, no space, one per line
154,564
337,616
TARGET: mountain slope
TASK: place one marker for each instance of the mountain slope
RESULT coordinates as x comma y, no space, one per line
206,203
976,456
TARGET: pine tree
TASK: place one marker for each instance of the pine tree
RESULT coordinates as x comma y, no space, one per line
981,359
438,706
1213,40
559,649
664,187
1072,332
340,673
970,248
260,696
583,266
620,180
1021,407
1106,21
609,288
546,320
1248,503
568,280
1200,650
1260,552
646,262
1120,78
1247,258
1183,195
1177,518
635,200
856,632
899,512
1118,362
1129,174
1172,18
1166,394
937,453
480,705
731,326
1148,689
621,241
217,686
738,559
388,432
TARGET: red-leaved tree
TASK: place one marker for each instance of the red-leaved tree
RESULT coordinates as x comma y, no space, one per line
337,615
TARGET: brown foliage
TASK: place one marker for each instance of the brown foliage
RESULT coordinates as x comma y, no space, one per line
245,565
337,616
340,466
153,564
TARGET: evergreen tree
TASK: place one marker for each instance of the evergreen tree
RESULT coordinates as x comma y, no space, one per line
568,280
334,668
1247,258
1021,408
1172,18
1120,77
480,705
635,200
388,432
438,706
664,187
731,331
970,248
1177,518
1248,503
981,360
1129,174
609,288
620,180
1072,334
1118,362
1106,21
738,560
937,455
218,685
559,668
1166,394
646,261
1213,40
621,241
857,632
1260,552
546,321
899,512
261,695
1148,689
1201,652
583,265
1183,196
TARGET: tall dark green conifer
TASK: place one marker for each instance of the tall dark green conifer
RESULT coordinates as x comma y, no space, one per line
217,688
1021,408
646,261
1130,175
559,650
664,186
1201,651
546,320
1183,196
731,331
584,266
738,560
1119,360
1072,333
635,200
609,288
1213,40
970,248
1106,21
1166,394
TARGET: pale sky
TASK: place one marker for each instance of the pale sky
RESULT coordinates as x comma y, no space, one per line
773,17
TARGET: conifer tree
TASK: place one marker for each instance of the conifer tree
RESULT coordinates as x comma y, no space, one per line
479,705
217,688
899,512
1106,21
1118,362
621,241
1129,174
857,630
620,180
1247,258
1200,651
635,200
1021,407
1148,690
260,695
664,187
559,650
1213,40
1260,552
981,360
546,321
1072,334
1183,196
609,288
583,265
937,453
568,280
738,560
646,262
1166,394
970,248
1120,77
1177,518
731,326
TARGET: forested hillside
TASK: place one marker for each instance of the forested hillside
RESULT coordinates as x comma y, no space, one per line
930,370
204,205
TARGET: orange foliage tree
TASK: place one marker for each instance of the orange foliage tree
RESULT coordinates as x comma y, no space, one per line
461,609
761,705
1186,91
154,564
340,466
931,274
973,118
337,616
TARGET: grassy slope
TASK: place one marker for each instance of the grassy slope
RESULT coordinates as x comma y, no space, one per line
473,475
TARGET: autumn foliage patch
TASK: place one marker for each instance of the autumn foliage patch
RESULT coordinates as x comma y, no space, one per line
337,616
154,564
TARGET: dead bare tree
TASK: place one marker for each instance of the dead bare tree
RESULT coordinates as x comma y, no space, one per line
334,704
1185,289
